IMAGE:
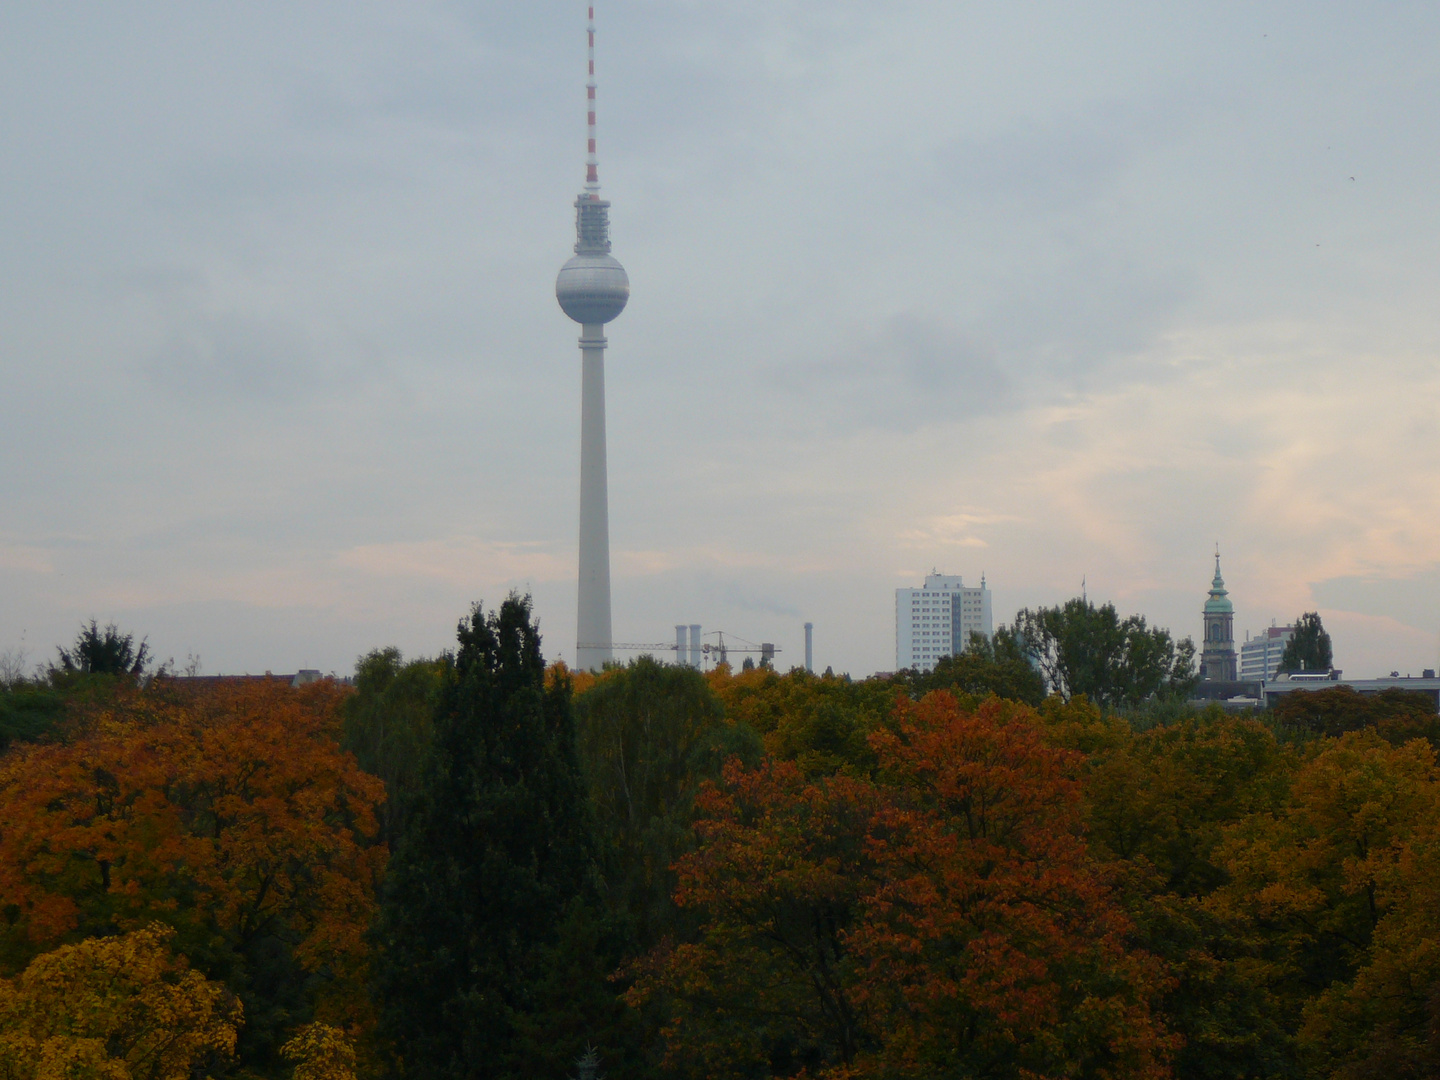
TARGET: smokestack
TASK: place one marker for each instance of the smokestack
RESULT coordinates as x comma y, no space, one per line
695,645
810,646
680,644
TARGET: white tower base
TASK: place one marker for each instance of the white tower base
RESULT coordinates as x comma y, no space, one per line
593,635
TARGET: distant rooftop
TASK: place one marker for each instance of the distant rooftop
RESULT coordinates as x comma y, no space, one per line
303,677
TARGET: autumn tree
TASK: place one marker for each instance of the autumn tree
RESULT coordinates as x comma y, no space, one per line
994,946
820,721
1309,646
1385,1022
943,919
495,872
1397,715
1321,875
1165,796
229,814
770,985
320,1052
1158,804
118,1008
1083,649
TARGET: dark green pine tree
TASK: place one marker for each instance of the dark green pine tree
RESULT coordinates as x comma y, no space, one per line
494,872
1309,646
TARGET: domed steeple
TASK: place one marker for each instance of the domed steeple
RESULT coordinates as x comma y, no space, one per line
1217,652
1219,602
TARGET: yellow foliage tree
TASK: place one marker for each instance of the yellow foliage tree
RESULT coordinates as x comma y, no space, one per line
1315,868
1346,882
118,1008
320,1052
822,723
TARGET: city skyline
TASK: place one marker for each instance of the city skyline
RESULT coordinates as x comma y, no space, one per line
1052,296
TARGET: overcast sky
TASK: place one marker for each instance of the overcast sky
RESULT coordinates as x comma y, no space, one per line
1046,291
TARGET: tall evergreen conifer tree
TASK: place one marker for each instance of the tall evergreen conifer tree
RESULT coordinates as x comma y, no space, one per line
494,870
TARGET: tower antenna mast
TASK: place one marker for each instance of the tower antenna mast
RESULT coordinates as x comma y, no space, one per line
592,289
592,162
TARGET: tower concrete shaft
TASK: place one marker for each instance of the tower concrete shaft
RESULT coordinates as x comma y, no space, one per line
592,631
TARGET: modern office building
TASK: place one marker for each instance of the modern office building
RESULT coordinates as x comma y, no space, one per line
937,620
1260,655
1217,653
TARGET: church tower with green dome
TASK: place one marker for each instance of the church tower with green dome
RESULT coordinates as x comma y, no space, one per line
1217,656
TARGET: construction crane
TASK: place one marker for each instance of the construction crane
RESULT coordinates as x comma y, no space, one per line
721,650
717,652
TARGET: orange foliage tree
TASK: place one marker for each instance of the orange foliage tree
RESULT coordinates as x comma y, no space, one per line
943,918
229,814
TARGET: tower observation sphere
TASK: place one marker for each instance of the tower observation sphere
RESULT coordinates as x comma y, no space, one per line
592,287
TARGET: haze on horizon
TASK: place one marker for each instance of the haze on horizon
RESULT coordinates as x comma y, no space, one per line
1043,293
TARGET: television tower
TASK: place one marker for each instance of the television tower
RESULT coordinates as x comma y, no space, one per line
592,289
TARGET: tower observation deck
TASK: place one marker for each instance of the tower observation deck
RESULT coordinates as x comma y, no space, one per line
592,288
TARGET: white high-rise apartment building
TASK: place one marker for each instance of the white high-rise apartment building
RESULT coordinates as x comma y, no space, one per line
938,619
1260,655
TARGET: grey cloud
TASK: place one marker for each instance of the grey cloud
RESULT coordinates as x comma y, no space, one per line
1081,328
843,221
737,596
1415,600
1087,324
1065,162
231,357
909,372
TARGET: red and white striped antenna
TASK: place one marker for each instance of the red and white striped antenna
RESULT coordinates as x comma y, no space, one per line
592,163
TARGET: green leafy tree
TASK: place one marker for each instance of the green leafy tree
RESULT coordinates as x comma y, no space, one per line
995,665
648,734
1309,646
495,874
387,727
1083,649
28,711
104,652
